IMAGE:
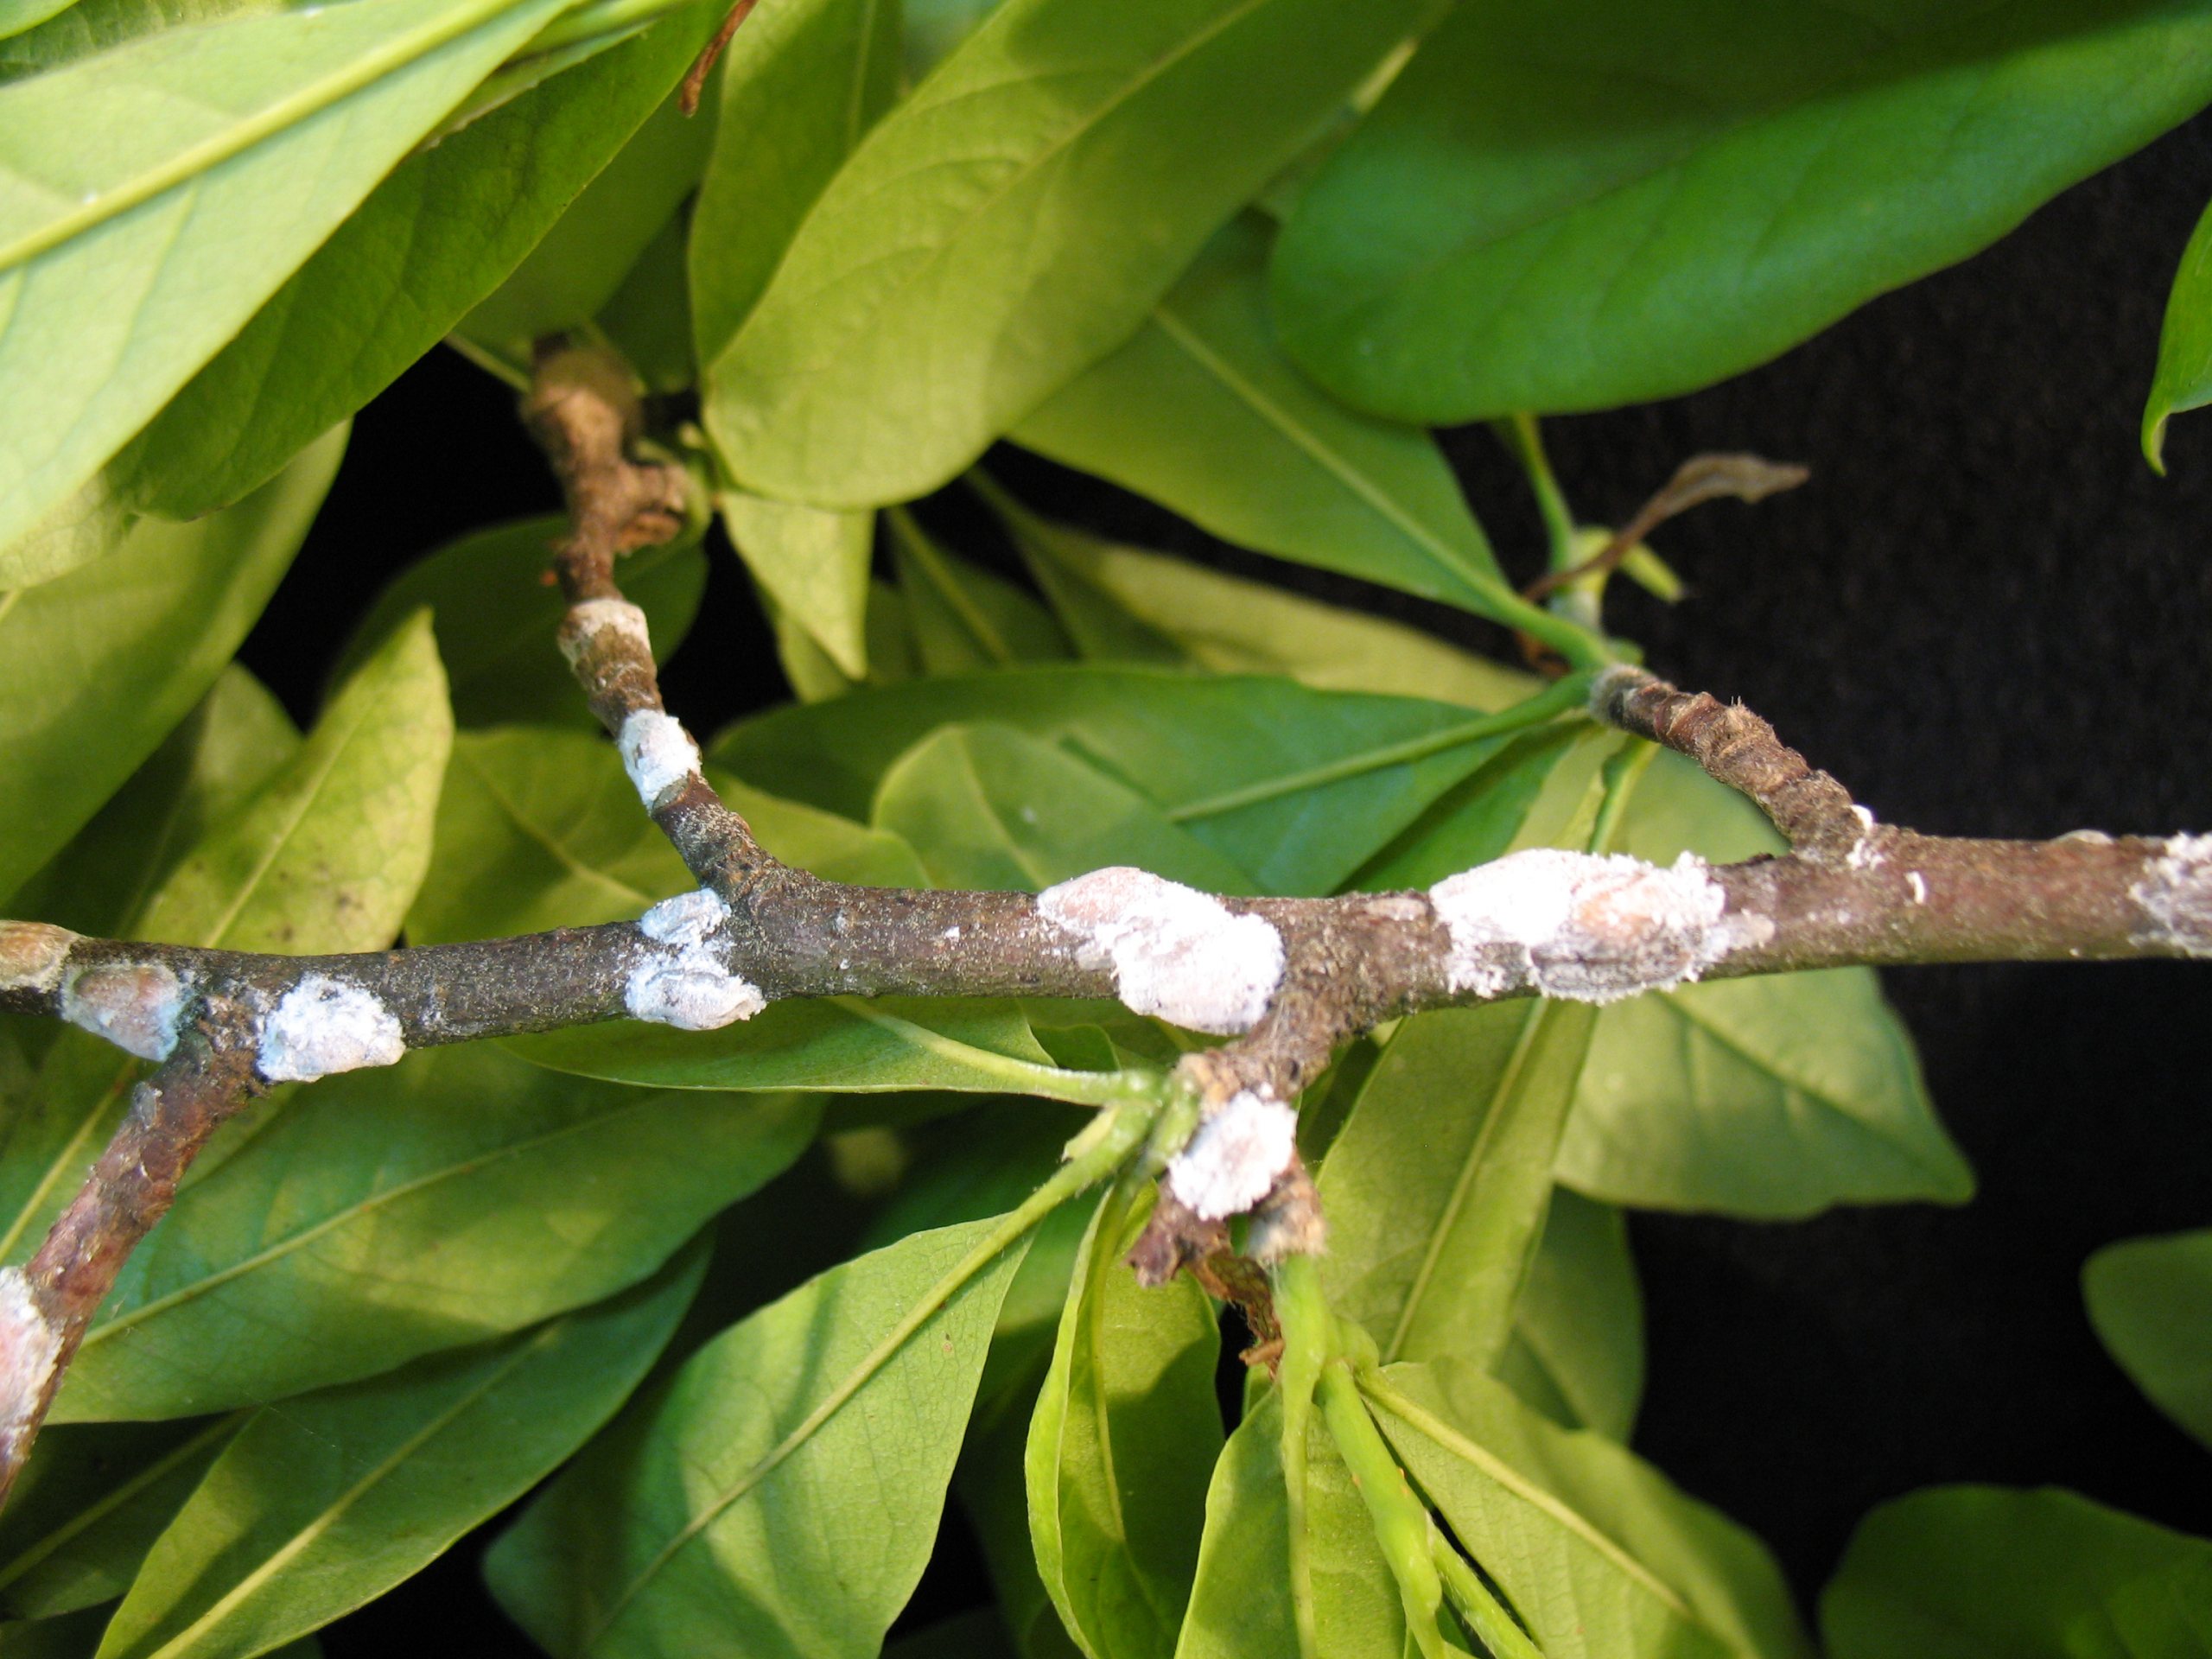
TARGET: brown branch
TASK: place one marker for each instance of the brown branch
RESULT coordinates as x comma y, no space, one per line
694,79
1289,979
46,1305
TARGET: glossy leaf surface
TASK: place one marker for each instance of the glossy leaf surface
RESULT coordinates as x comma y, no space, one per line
322,1502
1201,412
783,1495
153,196
96,667
1984,1570
1125,1430
2150,1300
1603,203
1013,220
390,1213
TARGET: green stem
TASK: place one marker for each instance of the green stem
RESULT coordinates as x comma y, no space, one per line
1524,439
1562,696
1623,768
1402,1526
1308,1333
1494,1627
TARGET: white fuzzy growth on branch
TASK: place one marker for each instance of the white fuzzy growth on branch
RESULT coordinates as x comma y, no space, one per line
1233,1161
322,1025
29,1345
683,984
2176,894
135,1006
1587,927
586,619
32,954
1176,952
657,753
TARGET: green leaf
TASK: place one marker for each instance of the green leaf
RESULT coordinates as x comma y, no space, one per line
79,30
324,858
1598,1554
963,617
1772,1096
1605,203
1013,220
1129,604
539,829
96,667
2183,379
1125,1429
814,565
2150,1300
989,806
782,1496
497,620
1201,412
1296,787
328,855
391,1213
1577,1348
800,87
89,1505
1435,1188
648,319
16,16
581,261
1241,1604
845,1045
1985,1572
935,28
208,767
432,239
324,1502
153,196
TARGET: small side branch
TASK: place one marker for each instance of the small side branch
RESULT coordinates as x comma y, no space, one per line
46,1305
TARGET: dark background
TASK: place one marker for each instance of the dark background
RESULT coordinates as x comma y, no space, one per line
1986,614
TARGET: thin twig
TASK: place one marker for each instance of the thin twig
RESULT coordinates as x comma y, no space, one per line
694,79
1700,478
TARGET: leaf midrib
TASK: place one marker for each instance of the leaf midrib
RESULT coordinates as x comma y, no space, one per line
368,1206
1036,163
1349,301
195,161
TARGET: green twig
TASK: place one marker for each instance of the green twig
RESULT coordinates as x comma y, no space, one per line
1486,1616
1402,1525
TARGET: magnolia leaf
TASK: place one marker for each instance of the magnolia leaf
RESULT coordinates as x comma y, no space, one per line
1596,1552
1013,220
1296,787
1129,604
989,806
1242,1603
323,1503
2150,1300
1603,203
2184,378
783,1495
497,620
1985,1572
225,749
1126,1427
1202,413
1435,1188
90,1503
97,666
1577,1350
323,858
814,565
390,1213
799,90
157,193
963,618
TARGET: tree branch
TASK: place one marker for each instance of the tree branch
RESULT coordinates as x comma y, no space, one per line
1289,979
